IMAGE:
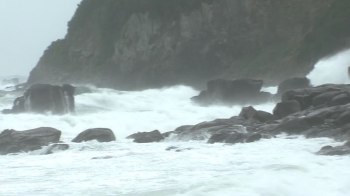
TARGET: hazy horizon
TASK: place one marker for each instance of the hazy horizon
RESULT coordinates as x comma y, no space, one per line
28,29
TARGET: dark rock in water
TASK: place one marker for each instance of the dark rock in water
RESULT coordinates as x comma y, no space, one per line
284,109
291,84
54,148
99,134
43,98
12,141
241,91
146,137
204,130
233,137
104,157
250,113
171,148
177,149
338,150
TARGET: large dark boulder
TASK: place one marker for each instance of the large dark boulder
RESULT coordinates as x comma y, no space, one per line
250,113
99,134
45,98
291,84
241,91
284,109
146,137
12,141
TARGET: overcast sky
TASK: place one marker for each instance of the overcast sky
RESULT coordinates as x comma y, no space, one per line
27,27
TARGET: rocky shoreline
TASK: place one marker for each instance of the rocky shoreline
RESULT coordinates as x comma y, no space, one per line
319,111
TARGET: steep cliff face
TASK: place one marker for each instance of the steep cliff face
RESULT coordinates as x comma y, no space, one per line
133,44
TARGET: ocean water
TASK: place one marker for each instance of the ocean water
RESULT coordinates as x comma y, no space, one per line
284,166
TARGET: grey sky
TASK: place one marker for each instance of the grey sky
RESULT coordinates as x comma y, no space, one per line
27,28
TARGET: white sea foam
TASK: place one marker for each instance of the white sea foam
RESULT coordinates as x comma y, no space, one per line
284,166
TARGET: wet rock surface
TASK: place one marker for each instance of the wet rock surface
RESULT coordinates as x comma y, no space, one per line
99,134
12,141
146,137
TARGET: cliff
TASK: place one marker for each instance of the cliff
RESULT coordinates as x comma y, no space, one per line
133,44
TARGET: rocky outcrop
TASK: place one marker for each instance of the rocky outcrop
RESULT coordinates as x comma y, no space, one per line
320,120
45,98
232,92
12,141
131,44
146,137
99,134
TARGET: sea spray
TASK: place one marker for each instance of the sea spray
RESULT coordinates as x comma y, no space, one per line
332,69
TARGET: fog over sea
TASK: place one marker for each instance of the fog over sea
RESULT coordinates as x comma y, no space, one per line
284,166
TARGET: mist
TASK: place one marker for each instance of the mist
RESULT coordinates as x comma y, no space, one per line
27,29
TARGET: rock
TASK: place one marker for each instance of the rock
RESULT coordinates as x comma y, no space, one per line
44,98
233,137
291,84
324,98
54,148
293,126
247,112
338,150
12,141
99,134
241,91
306,96
344,118
177,149
104,157
250,113
340,99
284,109
146,137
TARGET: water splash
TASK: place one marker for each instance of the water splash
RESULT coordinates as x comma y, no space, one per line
333,69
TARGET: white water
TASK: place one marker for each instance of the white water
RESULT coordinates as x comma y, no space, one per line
332,69
283,166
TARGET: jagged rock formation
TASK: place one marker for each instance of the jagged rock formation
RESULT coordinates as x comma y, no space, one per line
319,117
44,98
132,44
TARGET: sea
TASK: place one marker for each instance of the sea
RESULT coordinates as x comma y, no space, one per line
283,166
